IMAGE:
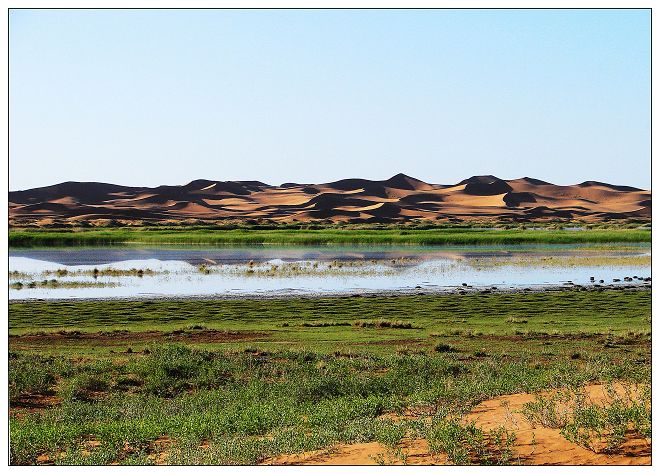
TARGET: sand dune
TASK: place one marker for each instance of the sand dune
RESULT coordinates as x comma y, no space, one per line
399,198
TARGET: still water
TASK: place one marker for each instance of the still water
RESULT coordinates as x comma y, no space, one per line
262,271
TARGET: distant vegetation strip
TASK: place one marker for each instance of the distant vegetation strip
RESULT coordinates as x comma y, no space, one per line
442,236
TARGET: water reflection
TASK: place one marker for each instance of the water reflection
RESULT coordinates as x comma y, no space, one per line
158,271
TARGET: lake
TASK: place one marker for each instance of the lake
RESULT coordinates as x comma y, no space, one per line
160,271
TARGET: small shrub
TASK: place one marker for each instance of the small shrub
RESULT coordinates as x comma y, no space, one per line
545,411
31,375
323,324
390,434
196,327
85,387
467,444
383,323
168,370
514,320
442,347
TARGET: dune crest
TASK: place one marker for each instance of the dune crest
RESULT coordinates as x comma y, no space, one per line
396,199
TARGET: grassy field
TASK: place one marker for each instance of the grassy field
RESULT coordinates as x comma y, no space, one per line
241,381
323,236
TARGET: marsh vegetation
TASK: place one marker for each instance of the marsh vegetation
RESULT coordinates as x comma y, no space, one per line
325,235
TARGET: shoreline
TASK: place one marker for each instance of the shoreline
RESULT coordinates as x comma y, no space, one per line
467,290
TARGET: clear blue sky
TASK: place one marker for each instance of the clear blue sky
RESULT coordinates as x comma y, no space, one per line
165,97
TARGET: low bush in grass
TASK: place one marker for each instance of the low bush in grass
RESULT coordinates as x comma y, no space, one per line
322,324
32,374
86,387
442,347
171,369
383,323
466,444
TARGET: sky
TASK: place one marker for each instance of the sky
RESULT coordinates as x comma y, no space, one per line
151,97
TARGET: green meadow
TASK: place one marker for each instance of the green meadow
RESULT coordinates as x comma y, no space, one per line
243,381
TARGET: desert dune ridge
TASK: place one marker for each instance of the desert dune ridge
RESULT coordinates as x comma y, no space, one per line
397,199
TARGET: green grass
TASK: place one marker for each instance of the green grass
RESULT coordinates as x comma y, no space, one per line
265,404
326,236
559,312
278,379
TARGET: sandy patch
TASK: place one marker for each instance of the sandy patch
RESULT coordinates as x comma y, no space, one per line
534,445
